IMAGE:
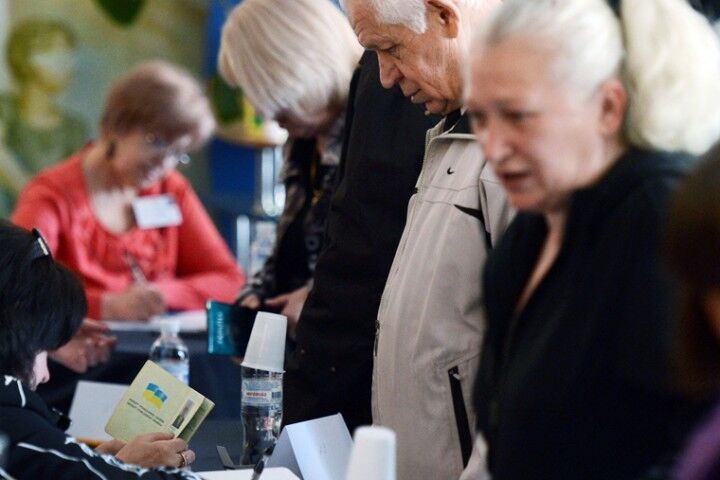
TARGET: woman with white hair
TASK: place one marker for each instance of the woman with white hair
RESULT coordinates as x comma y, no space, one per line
589,117
294,61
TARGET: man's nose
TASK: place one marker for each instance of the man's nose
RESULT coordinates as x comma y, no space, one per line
389,73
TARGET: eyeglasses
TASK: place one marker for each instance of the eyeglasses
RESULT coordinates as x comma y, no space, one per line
161,147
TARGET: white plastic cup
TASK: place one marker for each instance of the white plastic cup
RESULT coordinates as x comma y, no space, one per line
266,348
373,455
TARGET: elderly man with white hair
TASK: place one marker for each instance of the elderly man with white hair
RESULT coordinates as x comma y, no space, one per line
430,323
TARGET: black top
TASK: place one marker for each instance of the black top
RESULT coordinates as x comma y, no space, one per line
385,137
300,231
39,449
578,385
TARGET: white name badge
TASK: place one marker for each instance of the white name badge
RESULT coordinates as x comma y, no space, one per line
156,211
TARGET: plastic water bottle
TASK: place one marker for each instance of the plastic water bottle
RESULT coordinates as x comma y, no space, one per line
4,445
170,352
261,412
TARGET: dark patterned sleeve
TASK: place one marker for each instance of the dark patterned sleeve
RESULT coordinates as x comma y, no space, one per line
49,453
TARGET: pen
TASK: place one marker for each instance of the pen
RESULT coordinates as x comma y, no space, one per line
135,269
257,471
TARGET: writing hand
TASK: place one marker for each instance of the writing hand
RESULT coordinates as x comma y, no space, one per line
137,302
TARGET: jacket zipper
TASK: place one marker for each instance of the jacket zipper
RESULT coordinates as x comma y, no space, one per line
461,417
409,224
444,135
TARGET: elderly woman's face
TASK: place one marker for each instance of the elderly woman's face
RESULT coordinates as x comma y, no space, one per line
541,137
141,159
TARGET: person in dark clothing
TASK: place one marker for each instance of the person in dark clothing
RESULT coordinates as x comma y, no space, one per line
693,240
41,307
331,369
309,182
294,62
589,141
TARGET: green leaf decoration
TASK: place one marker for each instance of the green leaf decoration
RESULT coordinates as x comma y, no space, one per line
226,100
123,12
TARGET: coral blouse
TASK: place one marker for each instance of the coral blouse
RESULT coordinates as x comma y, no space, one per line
189,263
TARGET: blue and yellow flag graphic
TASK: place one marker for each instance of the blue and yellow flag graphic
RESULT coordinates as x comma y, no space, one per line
154,395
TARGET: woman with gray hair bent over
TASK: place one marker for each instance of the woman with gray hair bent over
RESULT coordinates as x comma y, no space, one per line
294,61
589,137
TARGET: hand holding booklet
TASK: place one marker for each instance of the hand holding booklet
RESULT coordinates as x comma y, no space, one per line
158,402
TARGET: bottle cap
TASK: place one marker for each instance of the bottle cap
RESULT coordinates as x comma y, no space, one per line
373,455
266,348
169,325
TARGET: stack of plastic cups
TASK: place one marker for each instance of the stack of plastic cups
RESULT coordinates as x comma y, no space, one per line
373,455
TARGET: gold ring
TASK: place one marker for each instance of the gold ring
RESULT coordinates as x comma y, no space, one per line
183,461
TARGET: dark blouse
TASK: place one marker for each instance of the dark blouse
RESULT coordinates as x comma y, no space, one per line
309,183
577,386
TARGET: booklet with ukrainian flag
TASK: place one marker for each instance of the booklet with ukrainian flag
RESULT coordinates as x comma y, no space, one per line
158,402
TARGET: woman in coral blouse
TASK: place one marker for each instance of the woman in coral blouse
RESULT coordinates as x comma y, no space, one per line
120,215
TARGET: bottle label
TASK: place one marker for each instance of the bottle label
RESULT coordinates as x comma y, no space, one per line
261,392
178,370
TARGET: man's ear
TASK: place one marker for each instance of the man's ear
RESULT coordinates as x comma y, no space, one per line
613,107
446,14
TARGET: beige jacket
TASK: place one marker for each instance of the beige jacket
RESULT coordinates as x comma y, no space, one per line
430,321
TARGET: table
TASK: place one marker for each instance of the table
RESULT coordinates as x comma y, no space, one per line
214,376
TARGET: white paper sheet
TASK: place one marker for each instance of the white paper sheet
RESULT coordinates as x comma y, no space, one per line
316,449
92,406
268,474
192,321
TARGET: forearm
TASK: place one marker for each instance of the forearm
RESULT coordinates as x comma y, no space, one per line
67,459
192,291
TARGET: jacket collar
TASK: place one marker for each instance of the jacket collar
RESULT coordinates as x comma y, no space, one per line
456,122
590,205
634,166
15,393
